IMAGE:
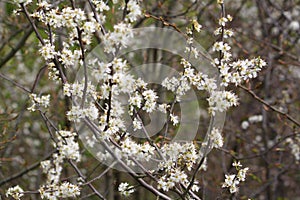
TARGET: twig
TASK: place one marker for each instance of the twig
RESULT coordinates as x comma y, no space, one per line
89,184
104,172
4,42
79,34
25,171
166,23
16,48
269,106
38,76
32,24
15,83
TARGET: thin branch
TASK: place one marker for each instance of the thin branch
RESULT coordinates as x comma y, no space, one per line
32,24
249,91
15,83
102,174
25,171
38,76
166,23
79,34
14,34
15,49
89,184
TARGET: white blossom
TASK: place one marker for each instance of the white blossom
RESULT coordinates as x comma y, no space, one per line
196,25
55,192
138,151
120,36
150,100
67,146
100,5
174,119
48,51
134,10
137,124
25,2
216,138
242,174
223,21
68,190
42,101
221,101
15,192
163,107
176,176
236,164
53,73
125,189
232,181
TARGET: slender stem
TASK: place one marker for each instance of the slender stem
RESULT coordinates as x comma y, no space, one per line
89,184
102,174
32,24
25,171
270,106
19,45
15,83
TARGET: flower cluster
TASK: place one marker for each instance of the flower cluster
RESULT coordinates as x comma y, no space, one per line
48,51
218,100
77,25
125,189
233,71
137,124
174,119
134,10
216,138
77,90
177,157
70,57
77,113
100,5
233,180
25,2
53,73
140,152
150,100
120,37
221,101
67,148
177,85
175,176
64,190
15,192
37,102
177,153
